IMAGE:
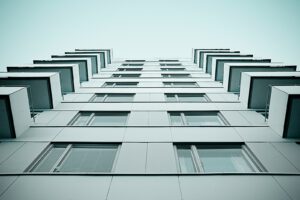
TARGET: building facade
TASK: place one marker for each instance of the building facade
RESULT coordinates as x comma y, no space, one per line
222,125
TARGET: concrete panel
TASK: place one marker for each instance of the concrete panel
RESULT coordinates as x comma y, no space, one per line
235,118
205,134
8,148
291,151
258,134
132,158
63,118
40,134
59,187
146,188
272,160
22,158
254,118
231,187
158,118
148,134
90,134
290,184
138,119
157,97
45,117
5,182
142,97
161,158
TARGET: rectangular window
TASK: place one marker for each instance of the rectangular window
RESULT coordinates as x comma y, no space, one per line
196,118
112,98
100,119
133,64
120,84
126,75
130,69
175,75
172,69
170,64
76,158
216,158
180,84
186,97
168,60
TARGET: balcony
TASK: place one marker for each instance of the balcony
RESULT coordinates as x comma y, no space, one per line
44,90
286,101
255,86
69,74
233,72
15,113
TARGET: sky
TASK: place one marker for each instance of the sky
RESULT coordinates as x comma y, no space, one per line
142,29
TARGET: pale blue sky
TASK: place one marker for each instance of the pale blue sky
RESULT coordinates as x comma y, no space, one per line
35,29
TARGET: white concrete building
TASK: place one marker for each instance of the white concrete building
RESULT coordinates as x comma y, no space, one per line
162,129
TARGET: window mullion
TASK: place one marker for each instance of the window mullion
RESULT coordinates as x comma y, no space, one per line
176,96
183,119
57,165
89,121
197,159
105,97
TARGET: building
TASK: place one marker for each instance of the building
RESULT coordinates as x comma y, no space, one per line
222,125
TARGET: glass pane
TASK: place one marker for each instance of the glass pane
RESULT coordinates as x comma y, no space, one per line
191,97
109,119
170,97
167,84
176,119
178,75
119,97
224,160
82,119
133,84
99,98
108,84
186,160
47,163
184,84
203,119
89,159
130,75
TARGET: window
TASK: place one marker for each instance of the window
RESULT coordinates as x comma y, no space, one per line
172,69
187,97
211,158
170,64
180,84
130,69
126,75
175,75
120,84
168,60
196,118
133,64
112,97
100,119
76,158
135,60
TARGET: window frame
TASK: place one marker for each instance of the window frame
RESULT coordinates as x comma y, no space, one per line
195,84
184,121
178,97
178,75
92,117
66,153
129,69
114,84
125,76
172,69
106,96
252,161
